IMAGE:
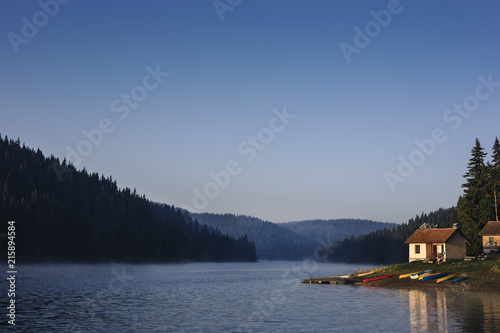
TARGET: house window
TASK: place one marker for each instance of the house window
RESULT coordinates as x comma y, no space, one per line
417,249
492,240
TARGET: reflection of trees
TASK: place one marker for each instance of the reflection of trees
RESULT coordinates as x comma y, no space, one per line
473,315
446,311
491,312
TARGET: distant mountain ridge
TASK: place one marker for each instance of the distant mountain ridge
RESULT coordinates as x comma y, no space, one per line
336,230
288,241
272,242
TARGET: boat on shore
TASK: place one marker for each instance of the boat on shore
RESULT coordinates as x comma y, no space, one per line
460,279
445,278
377,278
434,276
415,276
367,273
404,276
422,276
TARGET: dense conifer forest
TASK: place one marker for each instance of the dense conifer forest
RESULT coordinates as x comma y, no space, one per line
336,230
385,246
63,214
289,241
272,241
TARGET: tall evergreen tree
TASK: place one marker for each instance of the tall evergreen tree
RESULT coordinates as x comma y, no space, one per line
495,175
473,211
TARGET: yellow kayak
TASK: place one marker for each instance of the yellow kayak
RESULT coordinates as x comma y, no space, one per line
367,273
445,278
404,276
421,276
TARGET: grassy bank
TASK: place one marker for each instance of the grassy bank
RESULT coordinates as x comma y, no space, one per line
482,274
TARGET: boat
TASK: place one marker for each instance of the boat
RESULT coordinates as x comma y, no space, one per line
378,278
416,275
460,279
367,273
434,276
404,276
445,278
421,276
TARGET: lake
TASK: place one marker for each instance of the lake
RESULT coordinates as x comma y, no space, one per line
233,297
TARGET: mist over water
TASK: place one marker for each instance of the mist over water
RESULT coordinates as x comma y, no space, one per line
234,297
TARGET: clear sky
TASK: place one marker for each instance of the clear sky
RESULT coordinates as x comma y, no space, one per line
299,109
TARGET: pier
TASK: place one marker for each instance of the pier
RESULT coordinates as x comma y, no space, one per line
331,280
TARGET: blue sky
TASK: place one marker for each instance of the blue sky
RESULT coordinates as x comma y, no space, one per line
351,120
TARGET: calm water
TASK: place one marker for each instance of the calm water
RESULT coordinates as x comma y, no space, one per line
261,297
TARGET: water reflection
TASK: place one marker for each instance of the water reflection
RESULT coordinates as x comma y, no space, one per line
261,297
453,311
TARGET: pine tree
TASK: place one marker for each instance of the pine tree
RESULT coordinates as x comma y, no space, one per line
473,211
495,175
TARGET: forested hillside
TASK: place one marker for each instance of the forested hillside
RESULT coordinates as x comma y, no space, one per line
272,241
386,246
64,214
335,230
288,241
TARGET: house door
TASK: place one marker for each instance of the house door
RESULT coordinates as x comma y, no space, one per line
434,251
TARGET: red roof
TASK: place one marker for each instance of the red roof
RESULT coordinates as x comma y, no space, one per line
438,235
491,228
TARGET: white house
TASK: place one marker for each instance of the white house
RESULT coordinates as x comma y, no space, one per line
437,243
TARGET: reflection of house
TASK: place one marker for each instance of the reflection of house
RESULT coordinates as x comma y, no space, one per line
433,243
428,311
445,311
491,237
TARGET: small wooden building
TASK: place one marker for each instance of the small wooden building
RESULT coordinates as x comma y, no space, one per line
491,237
437,243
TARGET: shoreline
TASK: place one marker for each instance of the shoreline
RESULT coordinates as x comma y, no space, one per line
483,275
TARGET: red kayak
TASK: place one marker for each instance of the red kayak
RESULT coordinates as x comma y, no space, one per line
378,278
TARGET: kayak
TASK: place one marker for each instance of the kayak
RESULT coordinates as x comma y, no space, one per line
445,278
404,276
434,276
421,276
417,275
460,279
378,278
367,273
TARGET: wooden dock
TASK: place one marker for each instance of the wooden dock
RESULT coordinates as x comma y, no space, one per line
330,280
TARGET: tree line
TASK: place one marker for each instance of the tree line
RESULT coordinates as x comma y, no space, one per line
272,241
385,246
475,207
80,216
479,203
289,241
